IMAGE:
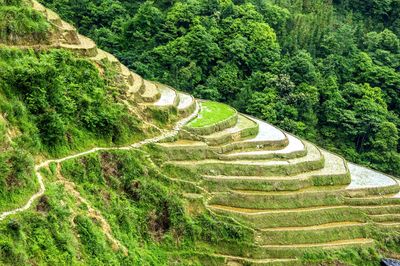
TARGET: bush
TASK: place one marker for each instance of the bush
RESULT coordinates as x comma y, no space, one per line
22,25
63,100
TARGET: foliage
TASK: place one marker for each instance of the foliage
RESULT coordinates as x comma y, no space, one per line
17,181
328,71
61,101
21,24
51,104
144,209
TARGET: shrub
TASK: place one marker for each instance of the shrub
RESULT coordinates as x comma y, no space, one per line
22,25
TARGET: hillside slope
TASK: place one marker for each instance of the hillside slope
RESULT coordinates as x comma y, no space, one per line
157,177
327,71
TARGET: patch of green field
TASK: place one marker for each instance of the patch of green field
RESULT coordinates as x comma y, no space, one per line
211,113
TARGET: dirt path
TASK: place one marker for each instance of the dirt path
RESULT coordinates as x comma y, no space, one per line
42,188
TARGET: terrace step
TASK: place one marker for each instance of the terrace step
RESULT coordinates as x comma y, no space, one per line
312,228
127,74
392,225
294,149
311,234
310,216
308,197
213,117
334,172
268,136
239,261
380,209
313,161
184,149
382,218
137,89
186,105
298,250
244,127
103,55
362,177
384,199
326,245
168,97
366,182
70,35
86,47
151,93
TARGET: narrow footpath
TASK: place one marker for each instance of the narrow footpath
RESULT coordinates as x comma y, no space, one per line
42,187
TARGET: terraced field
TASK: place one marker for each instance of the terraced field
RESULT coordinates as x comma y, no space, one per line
294,195
212,115
144,92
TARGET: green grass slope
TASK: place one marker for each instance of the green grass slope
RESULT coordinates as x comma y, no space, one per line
143,207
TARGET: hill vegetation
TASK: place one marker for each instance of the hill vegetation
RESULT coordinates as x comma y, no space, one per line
21,24
325,70
137,173
54,103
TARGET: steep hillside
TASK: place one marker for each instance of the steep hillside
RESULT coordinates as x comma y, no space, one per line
60,95
325,70
102,167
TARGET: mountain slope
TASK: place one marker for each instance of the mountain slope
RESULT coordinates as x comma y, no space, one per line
149,188
327,71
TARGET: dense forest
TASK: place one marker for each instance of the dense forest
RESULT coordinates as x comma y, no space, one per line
325,70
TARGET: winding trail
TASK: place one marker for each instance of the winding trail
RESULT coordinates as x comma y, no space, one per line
42,187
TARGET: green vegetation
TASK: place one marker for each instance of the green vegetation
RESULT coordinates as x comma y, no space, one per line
17,182
60,103
212,113
354,256
325,70
51,104
20,24
144,209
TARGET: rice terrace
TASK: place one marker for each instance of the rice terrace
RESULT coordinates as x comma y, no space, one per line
101,165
